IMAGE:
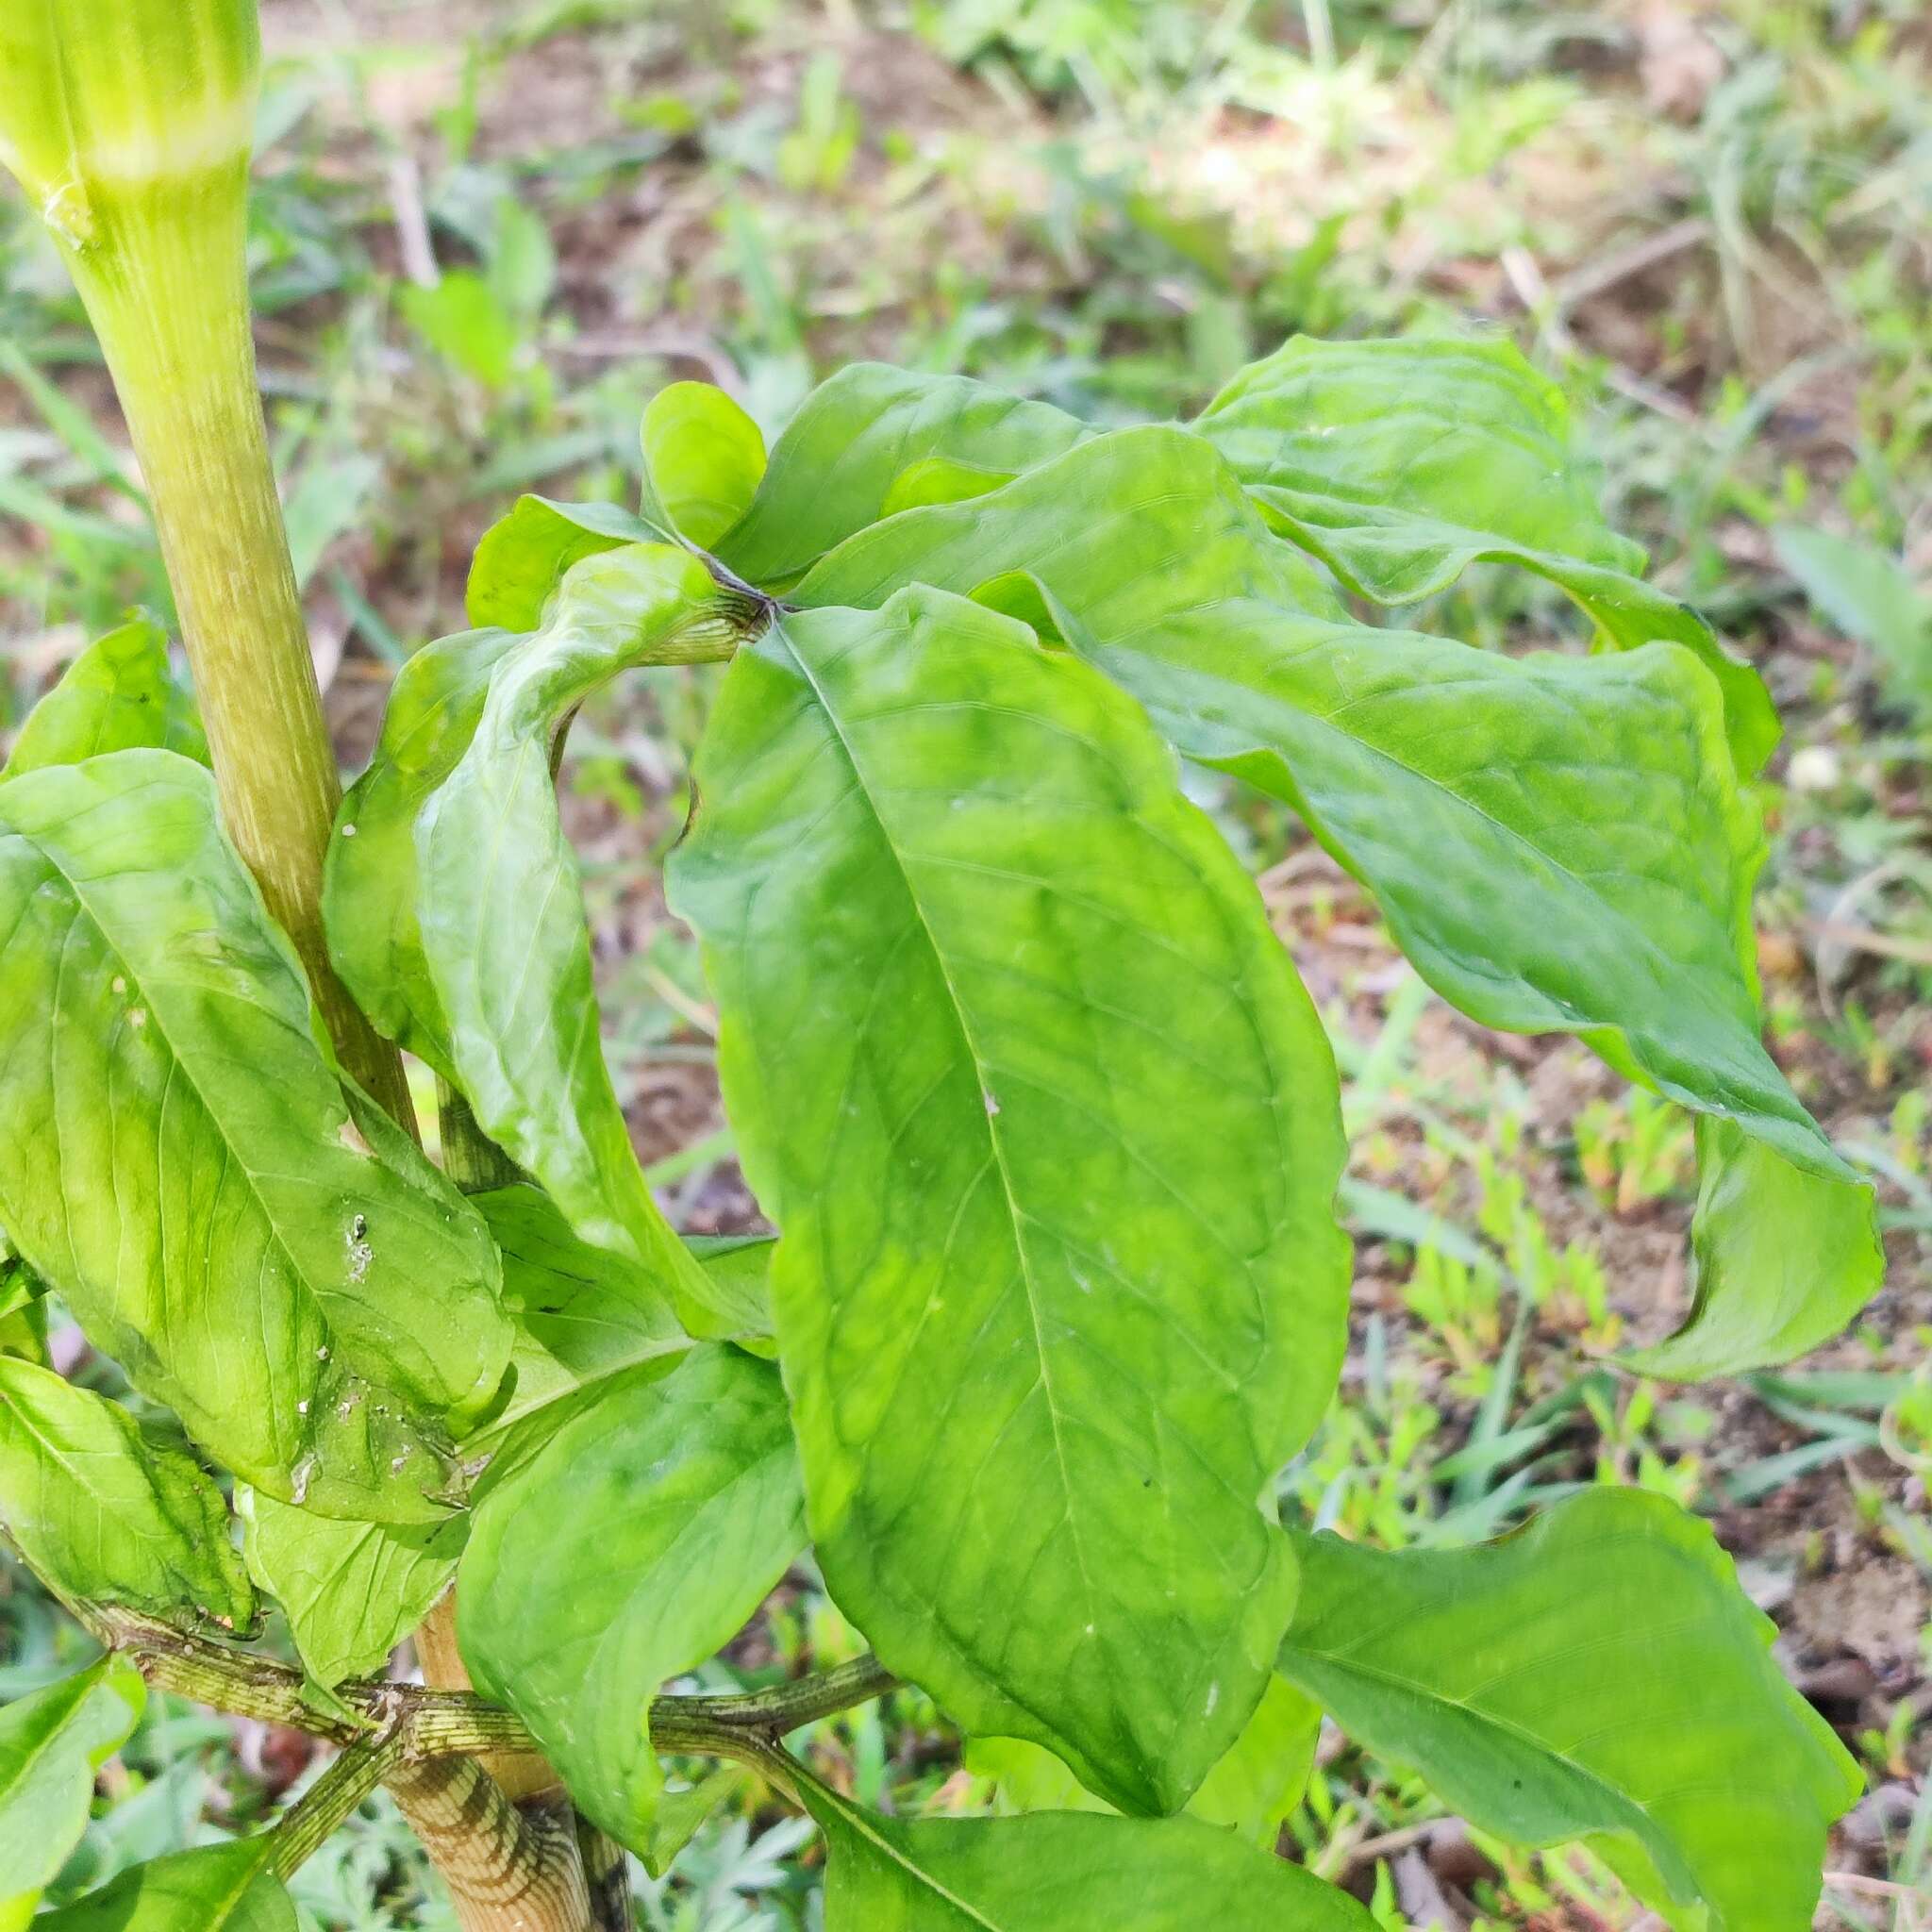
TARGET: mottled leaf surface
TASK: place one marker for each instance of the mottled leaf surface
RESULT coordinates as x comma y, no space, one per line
1400,464
52,1742
835,469
225,1213
350,1591
634,1545
1052,1871
117,694
225,1887
107,1515
501,914
1598,1675
1049,1130
702,460
1557,843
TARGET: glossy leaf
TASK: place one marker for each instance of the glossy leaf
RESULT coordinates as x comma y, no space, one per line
370,881
702,460
1400,464
1592,876
350,1591
500,908
118,694
835,469
1597,1676
524,555
225,1213
1049,1128
108,1516
52,1742
224,1888
1252,1790
634,1545
1052,1871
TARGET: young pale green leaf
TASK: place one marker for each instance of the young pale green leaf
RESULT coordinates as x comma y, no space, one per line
1052,1871
1596,880
631,1547
500,908
225,1213
524,555
117,694
1400,464
702,460
108,1516
52,1742
1600,1675
225,1887
1252,1790
1049,1127
350,1591
836,468
369,882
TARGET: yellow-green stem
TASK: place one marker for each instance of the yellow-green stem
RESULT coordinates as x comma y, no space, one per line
161,271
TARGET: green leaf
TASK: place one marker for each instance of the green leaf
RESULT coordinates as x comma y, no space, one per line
1782,1257
1597,1676
524,555
350,1591
463,319
702,460
634,1545
1252,1790
370,880
1048,1125
500,908
681,1814
1595,881
583,1315
225,1887
1401,463
1871,597
1051,1871
52,1742
834,468
107,1515
227,1214
119,692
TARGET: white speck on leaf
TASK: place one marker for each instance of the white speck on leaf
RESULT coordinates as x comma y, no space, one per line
992,1107
1213,1697
137,1017
348,831
120,982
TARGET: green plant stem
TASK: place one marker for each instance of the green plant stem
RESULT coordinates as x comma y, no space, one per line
332,1799
427,1724
787,1707
164,281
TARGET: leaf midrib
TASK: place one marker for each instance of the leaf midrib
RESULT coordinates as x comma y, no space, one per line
1015,1214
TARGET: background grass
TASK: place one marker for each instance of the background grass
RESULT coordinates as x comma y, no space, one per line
486,230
